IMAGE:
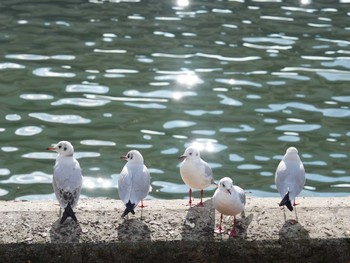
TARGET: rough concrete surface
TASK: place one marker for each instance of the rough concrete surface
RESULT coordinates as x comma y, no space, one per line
167,230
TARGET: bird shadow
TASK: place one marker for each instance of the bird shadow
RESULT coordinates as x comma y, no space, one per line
133,229
68,232
242,225
199,222
292,230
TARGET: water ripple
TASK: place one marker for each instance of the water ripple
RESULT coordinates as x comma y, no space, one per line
97,143
125,99
229,101
298,127
4,171
330,112
36,97
178,124
47,72
89,88
81,102
28,131
238,82
67,119
52,155
27,57
32,178
203,112
169,94
8,65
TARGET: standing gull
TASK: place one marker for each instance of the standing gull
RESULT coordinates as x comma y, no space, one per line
290,178
230,200
195,172
134,182
67,179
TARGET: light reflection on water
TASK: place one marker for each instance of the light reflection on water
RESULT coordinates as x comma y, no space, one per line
241,80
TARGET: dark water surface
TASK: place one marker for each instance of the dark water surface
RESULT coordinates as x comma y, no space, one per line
243,80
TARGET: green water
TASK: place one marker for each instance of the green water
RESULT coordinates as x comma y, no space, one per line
243,80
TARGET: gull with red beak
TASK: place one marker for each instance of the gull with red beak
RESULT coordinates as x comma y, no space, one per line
67,179
134,182
195,172
229,200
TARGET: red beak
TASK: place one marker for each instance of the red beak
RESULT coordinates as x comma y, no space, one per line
182,157
51,148
123,158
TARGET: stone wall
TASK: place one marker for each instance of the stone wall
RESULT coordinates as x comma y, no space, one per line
168,231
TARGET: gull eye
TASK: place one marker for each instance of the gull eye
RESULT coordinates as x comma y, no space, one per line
59,146
223,185
190,153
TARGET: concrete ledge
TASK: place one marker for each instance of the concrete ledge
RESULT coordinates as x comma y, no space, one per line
170,231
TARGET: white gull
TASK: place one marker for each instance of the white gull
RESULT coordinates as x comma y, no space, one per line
67,179
195,172
290,178
229,200
134,182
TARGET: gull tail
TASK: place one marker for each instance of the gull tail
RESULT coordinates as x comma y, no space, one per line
129,209
68,212
286,201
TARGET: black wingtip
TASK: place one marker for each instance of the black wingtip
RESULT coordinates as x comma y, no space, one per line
286,201
68,212
129,209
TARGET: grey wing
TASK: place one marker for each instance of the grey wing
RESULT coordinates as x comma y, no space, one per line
241,194
141,185
299,178
242,197
125,185
281,178
67,183
208,172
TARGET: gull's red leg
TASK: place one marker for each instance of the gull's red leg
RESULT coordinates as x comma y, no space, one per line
142,206
233,232
190,196
295,203
201,202
219,229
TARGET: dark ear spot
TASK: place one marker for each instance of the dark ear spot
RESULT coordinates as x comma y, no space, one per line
65,148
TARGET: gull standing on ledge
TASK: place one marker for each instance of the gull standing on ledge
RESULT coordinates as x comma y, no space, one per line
195,172
67,179
230,200
290,178
134,182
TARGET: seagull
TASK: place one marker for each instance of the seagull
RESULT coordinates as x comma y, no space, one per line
230,200
290,178
134,182
67,179
195,172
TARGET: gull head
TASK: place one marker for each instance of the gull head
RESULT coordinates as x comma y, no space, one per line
64,148
226,185
191,153
133,156
291,154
